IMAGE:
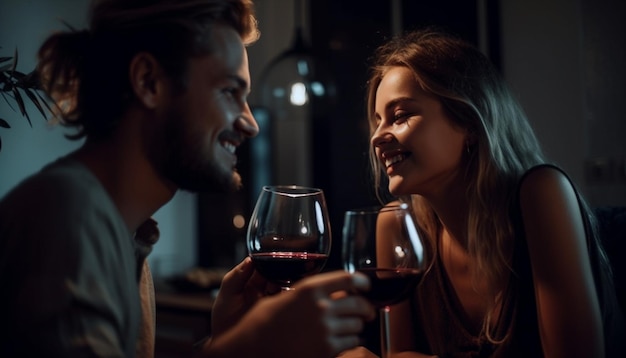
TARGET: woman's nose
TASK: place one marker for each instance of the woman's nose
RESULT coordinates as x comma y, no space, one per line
380,137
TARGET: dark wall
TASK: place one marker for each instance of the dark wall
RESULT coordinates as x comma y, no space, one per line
344,34
344,39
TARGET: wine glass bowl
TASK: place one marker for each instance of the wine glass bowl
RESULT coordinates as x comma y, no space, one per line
384,244
289,233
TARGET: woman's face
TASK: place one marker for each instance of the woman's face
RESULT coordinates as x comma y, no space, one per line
415,140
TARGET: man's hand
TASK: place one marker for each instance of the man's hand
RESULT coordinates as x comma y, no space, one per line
309,321
241,288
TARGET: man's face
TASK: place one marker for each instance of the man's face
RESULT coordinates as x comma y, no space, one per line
193,143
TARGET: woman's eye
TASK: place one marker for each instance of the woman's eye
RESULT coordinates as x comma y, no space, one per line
400,117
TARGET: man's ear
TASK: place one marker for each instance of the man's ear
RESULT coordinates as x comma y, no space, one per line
146,79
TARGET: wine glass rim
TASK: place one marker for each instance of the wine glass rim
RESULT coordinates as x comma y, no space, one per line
375,209
292,190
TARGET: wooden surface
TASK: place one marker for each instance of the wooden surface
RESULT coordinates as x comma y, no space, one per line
182,320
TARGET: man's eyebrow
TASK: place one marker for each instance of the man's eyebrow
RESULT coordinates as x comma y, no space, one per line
243,84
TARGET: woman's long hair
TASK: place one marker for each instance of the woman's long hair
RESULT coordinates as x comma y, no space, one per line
475,98
86,72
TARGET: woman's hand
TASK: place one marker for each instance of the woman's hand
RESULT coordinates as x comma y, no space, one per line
357,352
362,352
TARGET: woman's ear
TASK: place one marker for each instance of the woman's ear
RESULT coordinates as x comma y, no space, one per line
471,138
146,79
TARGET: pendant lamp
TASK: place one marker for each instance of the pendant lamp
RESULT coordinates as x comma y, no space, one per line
295,90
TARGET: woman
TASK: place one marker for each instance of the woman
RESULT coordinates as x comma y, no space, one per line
517,268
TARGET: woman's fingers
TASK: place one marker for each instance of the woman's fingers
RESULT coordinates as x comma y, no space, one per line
342,343
352,304
330,282
346,326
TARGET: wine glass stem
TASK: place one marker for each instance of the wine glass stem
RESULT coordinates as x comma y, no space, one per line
385,334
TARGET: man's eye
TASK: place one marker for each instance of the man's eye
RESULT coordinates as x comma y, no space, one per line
231,92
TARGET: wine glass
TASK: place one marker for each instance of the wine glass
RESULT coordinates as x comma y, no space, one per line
383,243
289,233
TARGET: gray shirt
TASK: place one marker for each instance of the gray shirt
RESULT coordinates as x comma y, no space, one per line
68,268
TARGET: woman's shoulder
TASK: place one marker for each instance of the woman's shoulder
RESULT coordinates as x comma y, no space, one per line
543,171
550,202
545,179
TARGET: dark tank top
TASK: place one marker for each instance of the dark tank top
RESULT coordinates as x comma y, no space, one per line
443,329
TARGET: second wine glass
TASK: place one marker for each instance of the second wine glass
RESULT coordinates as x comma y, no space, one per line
289,233
384,244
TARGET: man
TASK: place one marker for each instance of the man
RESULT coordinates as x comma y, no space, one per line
159,90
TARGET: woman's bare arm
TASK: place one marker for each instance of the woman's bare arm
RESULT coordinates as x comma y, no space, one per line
568,310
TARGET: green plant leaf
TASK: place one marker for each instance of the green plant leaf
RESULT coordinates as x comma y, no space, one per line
15,60
7,86
6,81
20,103
6,66
33,98
19,76
31,81
4,96
15,84
4,124
45,100
72,28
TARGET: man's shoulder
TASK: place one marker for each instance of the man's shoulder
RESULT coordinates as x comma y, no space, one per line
62,180
63,201
59,194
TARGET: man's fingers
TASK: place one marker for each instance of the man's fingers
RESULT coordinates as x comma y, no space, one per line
235,279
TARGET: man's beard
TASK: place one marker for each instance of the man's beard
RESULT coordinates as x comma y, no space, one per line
201,176
181,157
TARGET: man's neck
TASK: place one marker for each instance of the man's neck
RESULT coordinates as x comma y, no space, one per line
128,177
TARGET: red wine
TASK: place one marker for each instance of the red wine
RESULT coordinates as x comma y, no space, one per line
288,267
390,286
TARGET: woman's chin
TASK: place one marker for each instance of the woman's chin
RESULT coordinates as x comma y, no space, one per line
397,190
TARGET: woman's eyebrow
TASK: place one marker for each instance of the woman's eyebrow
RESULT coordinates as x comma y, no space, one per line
394,102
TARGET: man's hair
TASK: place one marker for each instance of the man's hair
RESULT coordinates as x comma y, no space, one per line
86,72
